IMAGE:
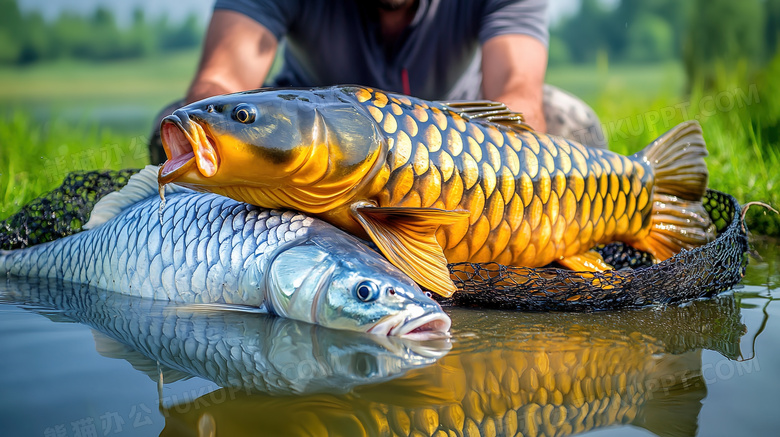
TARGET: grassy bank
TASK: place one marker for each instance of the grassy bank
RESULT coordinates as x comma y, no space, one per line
35,156
643,82
66,116
122,95
149,81
635,103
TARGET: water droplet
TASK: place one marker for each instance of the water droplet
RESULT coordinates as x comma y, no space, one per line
161,190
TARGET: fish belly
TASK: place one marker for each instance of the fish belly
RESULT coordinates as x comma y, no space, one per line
194,252
533,198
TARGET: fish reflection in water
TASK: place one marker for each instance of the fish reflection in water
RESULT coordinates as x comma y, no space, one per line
512,374
244,352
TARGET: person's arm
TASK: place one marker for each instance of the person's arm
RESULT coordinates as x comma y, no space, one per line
513,69
237,55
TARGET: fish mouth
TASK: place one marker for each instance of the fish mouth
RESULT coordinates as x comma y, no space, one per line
426,327
186,146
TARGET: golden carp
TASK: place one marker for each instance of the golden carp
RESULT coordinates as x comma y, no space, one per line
515,375
432,182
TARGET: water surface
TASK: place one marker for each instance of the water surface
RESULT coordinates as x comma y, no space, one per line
80,362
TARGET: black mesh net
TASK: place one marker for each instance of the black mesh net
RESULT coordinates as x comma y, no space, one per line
635,282
61,212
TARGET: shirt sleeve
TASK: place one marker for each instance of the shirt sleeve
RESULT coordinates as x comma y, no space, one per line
275,15
525,17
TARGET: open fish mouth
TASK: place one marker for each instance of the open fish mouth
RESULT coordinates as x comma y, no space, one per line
186,145
426,327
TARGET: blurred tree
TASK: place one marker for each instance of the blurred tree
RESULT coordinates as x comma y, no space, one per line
648,30
650,39
142,37
10,27
106,39
584,33
9,48
631,14
722,31
188,34
29,38
70,36
559,51
36,43
772,38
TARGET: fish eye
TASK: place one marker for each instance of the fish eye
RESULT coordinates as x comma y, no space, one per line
429,294
365,365
244,113
367,291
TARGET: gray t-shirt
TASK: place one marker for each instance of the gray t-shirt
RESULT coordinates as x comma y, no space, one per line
331,42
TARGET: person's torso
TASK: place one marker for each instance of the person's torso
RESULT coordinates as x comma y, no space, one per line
336,42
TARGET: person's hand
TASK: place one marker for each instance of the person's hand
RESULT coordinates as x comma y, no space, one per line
237,55
513,69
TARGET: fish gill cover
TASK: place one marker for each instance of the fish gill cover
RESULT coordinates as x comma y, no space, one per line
635,282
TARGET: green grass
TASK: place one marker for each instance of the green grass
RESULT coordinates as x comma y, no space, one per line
636,104
66,116
35,156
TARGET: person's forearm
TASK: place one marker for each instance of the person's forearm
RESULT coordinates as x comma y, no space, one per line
237,55
531,107
513,69
203,89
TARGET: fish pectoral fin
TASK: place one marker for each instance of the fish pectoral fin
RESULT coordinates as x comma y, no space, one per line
407,237
590,261
495,112
140,186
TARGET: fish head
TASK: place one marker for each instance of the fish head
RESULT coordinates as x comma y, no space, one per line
334,280
273,139
315,359
354,359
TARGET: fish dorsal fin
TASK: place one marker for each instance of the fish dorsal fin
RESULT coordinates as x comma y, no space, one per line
140,186
488,110
407,237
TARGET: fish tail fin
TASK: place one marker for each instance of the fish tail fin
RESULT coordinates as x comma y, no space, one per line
679,220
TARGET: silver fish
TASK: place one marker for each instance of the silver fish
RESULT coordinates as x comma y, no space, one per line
207,249
249,353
